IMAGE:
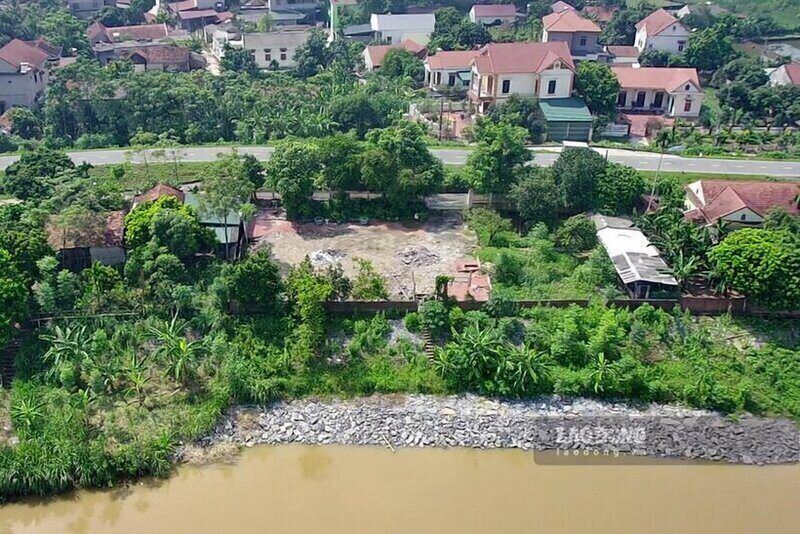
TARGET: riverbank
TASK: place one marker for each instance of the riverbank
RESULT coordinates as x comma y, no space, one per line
539,424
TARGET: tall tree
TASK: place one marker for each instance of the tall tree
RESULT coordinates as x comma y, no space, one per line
576,172
495,163
599,87
292,171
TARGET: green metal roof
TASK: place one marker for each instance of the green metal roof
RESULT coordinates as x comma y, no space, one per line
565,110
209,219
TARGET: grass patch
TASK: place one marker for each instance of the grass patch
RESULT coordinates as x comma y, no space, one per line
139,176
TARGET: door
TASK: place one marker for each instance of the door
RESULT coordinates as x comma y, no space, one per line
640,99
658,101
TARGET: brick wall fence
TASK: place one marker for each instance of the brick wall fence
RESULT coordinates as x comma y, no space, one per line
697,305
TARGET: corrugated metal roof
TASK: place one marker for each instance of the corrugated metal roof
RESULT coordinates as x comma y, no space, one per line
565,109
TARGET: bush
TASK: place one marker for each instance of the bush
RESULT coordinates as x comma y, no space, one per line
413,322
508,269
576,234
436,318
369,284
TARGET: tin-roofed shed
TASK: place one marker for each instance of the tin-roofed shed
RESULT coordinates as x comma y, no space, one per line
568,119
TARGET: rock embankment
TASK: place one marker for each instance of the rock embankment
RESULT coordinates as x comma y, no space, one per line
550,423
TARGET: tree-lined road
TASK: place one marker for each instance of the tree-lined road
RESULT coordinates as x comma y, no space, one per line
643,161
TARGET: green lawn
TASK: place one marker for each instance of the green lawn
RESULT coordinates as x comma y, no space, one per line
139,177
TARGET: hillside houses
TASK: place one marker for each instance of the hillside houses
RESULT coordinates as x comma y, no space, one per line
580,34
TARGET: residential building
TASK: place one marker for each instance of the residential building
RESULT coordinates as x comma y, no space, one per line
559,7
156,192
304,6
391,29
170,58
98,238
449,71
622,55
661,31
118,42
641,270
275,49
674,92
493,14
580,34
742,203
788,74
193,15
374,54
86,9
499,70
706,9
25,71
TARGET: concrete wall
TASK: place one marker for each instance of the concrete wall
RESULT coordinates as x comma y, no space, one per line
573,40
18,89
669,39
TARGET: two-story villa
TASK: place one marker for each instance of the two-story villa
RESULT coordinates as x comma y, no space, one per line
499,70
674,92
580,34
661,31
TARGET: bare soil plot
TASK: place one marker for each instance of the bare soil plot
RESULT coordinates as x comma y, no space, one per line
406,255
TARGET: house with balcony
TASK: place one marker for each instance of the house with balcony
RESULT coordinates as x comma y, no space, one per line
393,29
499,70
660,30
25,72
493,14
580,34
449,71
674,92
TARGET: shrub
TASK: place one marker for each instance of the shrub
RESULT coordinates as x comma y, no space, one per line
436,318
369,284
413,322
576,234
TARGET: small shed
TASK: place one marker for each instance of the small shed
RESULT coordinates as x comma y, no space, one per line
88,238
230,230
568,119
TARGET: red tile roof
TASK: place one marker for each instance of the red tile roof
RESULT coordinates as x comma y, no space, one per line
793,72
656,22
623,51
469,283
140,32
663,78
162,54
507,58
495,10
186,5
569,21
455,59
16,52
158,191
378,52
560,6
98,230
725,197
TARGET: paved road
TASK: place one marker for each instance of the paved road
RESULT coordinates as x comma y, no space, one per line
644,161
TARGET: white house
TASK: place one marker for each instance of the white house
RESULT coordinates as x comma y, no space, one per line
24,72
499,70
449,71
493,14
738,202
271,50
788,74
392,29
675,92
661,31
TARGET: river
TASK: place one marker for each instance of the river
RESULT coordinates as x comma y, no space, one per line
337,489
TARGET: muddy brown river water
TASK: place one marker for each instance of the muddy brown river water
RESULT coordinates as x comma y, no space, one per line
336,489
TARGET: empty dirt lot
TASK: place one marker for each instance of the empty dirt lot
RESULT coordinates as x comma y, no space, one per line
426,250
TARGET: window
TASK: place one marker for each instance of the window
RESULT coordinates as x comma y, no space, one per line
451,80
622,99
743,217
267,57
506,86
681,44
687,106
283,57
640,96
687,87
551,87
438,78
583,41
